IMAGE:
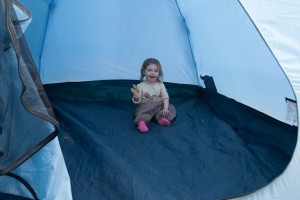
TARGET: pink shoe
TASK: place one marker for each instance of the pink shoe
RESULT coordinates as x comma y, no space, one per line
164,122
142,126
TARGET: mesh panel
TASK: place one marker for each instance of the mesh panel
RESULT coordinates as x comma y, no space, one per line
27,121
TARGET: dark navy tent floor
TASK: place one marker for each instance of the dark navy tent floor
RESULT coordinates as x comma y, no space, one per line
4,196
215,148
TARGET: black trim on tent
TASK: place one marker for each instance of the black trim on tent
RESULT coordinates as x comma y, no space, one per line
291,100
27,155
25,183
209,83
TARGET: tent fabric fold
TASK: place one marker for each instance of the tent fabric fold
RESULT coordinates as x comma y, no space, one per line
22,98
27,121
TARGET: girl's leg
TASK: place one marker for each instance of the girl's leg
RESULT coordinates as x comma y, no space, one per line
143,112
166,120
143,115
142,126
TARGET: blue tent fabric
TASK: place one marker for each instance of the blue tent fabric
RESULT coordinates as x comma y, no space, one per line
234,45
202,155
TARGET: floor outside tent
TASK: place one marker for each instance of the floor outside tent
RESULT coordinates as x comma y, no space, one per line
215,149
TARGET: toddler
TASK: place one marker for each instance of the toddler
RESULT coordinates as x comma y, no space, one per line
152,97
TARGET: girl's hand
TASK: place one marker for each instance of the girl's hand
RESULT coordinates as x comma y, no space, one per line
165,112
135,92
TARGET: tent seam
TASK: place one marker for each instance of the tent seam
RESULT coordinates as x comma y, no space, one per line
189,39
43,44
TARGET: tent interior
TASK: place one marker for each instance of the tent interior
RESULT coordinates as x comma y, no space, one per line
236,125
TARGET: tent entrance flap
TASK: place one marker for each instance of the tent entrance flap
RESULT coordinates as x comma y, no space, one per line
207,152
27,121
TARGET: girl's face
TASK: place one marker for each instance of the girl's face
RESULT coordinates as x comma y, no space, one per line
151,72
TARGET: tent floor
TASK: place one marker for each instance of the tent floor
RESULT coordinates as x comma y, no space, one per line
214,149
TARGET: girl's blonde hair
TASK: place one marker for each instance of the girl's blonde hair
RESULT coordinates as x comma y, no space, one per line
151,61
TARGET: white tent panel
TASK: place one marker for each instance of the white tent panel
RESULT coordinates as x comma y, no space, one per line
228,47
113,39
277,21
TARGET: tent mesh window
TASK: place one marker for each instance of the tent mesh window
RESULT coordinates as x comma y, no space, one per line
27,120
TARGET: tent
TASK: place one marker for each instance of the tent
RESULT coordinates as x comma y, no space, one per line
231,69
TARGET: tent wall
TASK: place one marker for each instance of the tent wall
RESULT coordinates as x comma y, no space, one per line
278,23
35,33
110,39
228,47
100,40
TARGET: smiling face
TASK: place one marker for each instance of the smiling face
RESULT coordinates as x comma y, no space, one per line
151,69
151,73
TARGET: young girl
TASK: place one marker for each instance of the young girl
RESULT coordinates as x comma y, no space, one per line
152,97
